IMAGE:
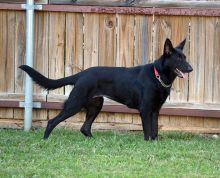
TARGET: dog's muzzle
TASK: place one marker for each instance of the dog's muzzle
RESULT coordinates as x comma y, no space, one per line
183,74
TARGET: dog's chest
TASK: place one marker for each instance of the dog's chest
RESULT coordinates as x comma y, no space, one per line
157,99
162,96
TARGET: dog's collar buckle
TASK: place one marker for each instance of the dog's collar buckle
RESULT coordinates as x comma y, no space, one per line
160,80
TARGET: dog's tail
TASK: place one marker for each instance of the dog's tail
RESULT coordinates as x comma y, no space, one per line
47,83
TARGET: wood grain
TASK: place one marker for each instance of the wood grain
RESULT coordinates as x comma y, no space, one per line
19,51
125,41
56,48
143,40
197,59
74,46
107,40
20,47
209,59
91,40
7,52
216,67
56,54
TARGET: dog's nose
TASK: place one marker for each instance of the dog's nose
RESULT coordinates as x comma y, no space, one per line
189,69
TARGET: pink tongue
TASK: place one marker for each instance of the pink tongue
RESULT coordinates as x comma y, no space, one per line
183,74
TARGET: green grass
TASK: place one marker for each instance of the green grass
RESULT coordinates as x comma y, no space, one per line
109,154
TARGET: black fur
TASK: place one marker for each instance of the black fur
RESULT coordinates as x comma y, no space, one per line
135,87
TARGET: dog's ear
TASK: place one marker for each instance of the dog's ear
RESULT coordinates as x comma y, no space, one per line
168,47
181,45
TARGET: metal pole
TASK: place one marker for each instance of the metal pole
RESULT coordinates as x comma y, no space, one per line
29,61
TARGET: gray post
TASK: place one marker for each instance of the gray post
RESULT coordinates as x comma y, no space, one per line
29,61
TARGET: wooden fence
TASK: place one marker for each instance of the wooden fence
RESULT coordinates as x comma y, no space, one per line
68,42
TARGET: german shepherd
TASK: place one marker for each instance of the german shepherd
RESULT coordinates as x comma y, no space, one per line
144,88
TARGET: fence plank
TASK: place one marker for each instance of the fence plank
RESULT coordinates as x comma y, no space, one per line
19,59
19,51
74,46
136,119
7,52
195,122
216,67
143,40
212,123
120,118
103,117
56,49
209,59
56,54
197,59
91,40
125,41
107,40
163,121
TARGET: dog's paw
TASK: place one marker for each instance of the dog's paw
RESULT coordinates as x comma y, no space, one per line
86,133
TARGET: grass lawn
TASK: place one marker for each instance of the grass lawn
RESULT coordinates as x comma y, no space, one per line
68,153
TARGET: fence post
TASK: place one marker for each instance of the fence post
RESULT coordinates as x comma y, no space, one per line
29,61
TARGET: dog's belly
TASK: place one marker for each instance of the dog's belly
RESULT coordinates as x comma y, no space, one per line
128,103
131,101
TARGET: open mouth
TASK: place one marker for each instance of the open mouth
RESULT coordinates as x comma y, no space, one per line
180,73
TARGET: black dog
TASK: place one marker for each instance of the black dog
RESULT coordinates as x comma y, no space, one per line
144,88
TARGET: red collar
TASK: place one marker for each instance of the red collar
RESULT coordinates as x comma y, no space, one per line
156,73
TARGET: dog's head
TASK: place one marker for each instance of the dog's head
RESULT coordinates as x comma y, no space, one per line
175,60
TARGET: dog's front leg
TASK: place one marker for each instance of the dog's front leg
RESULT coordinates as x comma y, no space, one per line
146,123
154,125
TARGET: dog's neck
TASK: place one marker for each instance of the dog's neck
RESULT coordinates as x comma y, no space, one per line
166,74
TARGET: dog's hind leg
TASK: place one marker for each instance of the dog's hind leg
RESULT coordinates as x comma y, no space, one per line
73,105
93,108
